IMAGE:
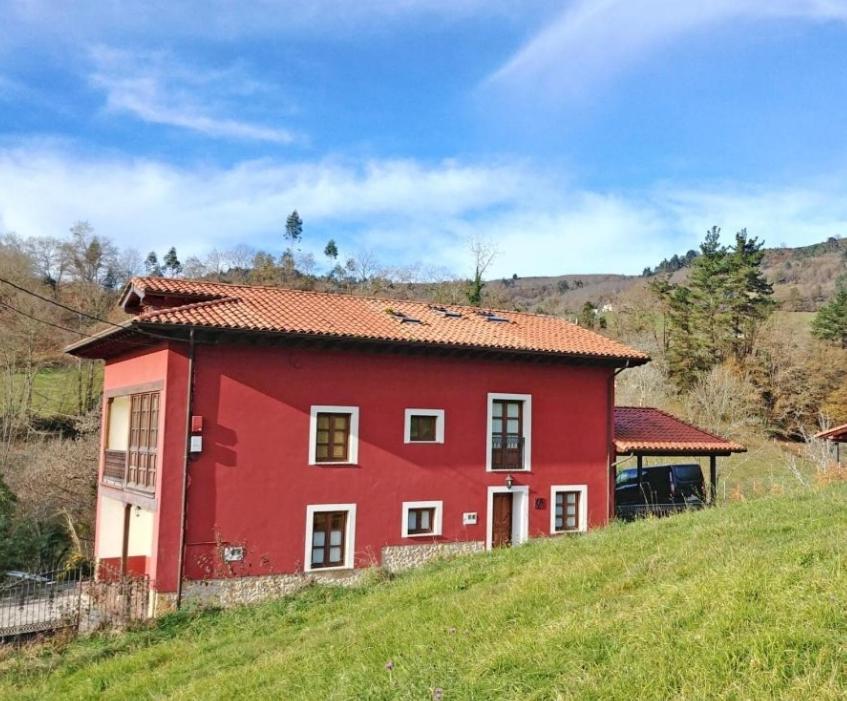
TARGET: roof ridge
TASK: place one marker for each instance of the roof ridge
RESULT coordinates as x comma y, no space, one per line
186,307
372,298
338,294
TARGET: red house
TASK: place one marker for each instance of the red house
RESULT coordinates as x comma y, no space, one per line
255,438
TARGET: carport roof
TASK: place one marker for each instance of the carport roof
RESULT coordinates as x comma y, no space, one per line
650,431
838,434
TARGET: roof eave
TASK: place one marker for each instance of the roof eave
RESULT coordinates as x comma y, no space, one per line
609,360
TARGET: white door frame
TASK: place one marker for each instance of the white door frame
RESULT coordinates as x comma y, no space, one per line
520,514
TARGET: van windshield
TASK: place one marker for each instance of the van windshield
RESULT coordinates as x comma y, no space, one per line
688,473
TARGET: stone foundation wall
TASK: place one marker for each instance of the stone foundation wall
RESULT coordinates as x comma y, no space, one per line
253,589
396,558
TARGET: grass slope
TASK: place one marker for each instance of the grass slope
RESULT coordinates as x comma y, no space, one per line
742,602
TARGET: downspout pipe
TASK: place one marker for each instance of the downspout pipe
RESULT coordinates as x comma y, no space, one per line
189,400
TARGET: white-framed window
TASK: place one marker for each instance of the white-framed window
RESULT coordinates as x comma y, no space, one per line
508,437
423,426
333,435
330,537
422,518
568,508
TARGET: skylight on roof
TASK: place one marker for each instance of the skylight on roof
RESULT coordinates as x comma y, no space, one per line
403,318
444,311
492,316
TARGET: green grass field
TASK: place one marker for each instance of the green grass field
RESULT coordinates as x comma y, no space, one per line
747,601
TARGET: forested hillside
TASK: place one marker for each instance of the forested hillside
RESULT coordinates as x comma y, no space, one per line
730,329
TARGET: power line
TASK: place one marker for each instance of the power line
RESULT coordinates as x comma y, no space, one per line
82,313
59,304
41,321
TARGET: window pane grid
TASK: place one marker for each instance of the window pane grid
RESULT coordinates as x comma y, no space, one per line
328,538
332,438
567,511
420,521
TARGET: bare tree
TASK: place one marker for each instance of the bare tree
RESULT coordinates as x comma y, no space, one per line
484,252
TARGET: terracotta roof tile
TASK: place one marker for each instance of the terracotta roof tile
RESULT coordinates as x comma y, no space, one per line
836,433
649,430
286,311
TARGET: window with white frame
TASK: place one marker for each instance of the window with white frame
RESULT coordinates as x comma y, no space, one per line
421,518
333,435
509,435
568,508
330,536
424,426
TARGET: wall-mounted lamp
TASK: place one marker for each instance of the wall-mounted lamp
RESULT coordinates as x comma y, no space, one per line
509,481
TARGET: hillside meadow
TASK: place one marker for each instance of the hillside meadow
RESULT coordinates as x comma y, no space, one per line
746,601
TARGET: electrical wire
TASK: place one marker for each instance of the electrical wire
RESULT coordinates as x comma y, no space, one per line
85,314
42,321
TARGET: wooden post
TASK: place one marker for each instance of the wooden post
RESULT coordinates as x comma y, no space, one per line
713,479
639,463
125,546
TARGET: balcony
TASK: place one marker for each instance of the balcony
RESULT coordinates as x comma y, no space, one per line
114,466
507,452
135,470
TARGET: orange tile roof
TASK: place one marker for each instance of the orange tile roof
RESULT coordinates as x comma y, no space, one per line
323,314
649,430
836,433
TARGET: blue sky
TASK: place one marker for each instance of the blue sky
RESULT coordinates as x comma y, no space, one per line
584,136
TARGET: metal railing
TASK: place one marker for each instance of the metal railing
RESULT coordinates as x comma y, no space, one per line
507,452
35,604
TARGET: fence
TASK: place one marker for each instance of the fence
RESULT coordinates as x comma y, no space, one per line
69,600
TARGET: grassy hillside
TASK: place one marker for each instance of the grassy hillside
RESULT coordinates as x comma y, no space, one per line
743,602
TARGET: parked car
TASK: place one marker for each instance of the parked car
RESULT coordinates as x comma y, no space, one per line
663,489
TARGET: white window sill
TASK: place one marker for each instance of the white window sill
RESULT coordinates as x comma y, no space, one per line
422,535
333,464
339,568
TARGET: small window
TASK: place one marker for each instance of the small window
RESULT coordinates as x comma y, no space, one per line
420,521
333,435
569,509
424,426
421,518
328,539
333,438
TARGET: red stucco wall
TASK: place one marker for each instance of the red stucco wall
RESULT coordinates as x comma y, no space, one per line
252,482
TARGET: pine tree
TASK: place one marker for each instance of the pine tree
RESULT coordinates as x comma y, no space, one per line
151,265
830,323
750,294
171,264
588,315
293,227
682,353
331,250
709,297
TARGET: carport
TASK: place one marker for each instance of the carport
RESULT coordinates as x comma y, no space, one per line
648,432
836,436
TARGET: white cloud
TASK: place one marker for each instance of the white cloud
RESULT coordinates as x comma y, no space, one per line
156,88
592,40
403,210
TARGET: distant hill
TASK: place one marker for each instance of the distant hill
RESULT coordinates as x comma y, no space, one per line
803,279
